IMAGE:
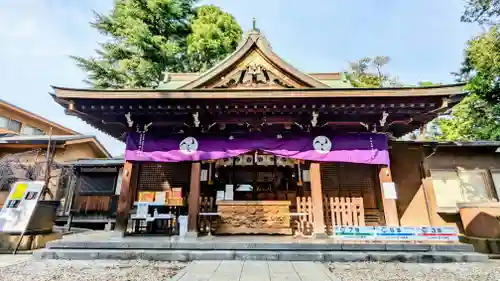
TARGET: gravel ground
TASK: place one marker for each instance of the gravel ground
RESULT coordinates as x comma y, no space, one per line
161,271
408,271
89,271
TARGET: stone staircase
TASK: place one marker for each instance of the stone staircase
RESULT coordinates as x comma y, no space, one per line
170,249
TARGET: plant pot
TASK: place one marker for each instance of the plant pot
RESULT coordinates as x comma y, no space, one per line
44,215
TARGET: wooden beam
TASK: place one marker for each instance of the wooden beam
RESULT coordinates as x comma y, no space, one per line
127,196
194,197
408,92
317,200
390,207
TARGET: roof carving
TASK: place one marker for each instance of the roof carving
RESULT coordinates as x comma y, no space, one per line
253,65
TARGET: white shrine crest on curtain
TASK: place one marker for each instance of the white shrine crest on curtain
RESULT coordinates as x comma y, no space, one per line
322,144
188,145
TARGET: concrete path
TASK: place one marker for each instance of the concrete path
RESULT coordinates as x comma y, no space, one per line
253,271
8,259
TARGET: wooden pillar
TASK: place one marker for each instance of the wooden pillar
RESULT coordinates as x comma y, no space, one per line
317,200
390,208
127,196
194,197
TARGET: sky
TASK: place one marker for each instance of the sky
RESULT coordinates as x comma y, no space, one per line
424,40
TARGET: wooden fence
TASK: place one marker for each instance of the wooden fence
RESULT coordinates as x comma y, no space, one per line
343,211
92,204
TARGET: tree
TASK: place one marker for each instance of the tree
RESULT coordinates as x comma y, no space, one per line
481,11
481,66
214,35
367,73
477,116
149,37
32,165
472,119
427,84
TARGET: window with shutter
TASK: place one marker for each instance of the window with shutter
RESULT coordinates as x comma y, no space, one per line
97,183
495,175
452,187
473,183
14,126
447,190
4,122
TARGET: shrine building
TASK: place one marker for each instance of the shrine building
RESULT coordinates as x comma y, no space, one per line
255,146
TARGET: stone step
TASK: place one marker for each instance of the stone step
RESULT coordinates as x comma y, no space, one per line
289,255
144,244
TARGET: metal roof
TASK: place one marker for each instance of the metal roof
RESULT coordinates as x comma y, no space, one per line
96,162
42,138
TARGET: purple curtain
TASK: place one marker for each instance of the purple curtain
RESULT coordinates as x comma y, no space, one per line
364,148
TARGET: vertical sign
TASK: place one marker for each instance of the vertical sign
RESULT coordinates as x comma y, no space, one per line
389,190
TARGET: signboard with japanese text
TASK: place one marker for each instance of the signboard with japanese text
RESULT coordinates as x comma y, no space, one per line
403,233
19,206
355,232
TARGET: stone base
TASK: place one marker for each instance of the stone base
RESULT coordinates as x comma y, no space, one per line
100,245
117,233
191,234
317,256
8,242
483,245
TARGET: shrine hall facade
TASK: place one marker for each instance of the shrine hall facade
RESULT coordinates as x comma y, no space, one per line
259,147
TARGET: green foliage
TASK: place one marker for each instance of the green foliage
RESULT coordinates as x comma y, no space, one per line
367,73
481,67
427,84
214,35
472,119
477,116
149,37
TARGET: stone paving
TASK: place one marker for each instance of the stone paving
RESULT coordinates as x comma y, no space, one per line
254,271
22,268
9,259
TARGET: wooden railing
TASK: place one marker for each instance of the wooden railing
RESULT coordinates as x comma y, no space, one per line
303,225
